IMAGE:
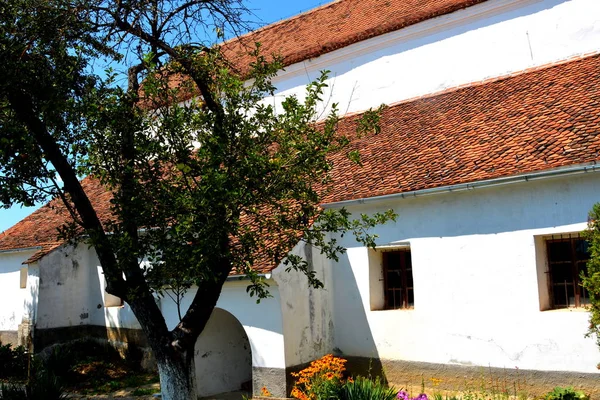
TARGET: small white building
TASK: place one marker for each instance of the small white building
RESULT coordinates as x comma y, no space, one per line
488,152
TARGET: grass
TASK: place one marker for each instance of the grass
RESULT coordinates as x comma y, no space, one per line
90,368
143,392
101,381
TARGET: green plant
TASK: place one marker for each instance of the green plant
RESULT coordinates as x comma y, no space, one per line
12,391
591,279
568,393
13,362
43,385
362,388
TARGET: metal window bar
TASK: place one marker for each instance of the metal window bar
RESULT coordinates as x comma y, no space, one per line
397,297
572,264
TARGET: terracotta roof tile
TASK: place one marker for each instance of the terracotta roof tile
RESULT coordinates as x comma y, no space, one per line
328,28
46,248
40,229
535,121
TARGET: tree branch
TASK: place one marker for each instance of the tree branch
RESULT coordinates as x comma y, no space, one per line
24,109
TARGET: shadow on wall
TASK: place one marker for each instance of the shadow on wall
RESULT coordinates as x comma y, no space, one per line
510,208
406,46
355,340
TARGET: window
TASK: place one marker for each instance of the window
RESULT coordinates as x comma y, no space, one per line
23,278
109,299
112,301
567,260
398,280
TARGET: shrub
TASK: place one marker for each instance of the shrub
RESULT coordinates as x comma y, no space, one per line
42,386
567,393
13,362
322,379
367,389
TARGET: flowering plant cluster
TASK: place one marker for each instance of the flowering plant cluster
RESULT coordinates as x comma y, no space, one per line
320,379
402,395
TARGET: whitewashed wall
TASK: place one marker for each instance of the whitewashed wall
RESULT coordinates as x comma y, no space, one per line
475,269
307,312
12,297
72,293
68,286
262,322
492,39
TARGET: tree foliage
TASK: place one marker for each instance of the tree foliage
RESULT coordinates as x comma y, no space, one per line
591,279
207,178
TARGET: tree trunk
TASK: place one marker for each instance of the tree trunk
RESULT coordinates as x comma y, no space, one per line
177,375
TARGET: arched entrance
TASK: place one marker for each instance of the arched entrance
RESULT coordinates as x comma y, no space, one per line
223,356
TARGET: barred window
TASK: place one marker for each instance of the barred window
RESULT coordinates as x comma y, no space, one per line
567,260
398,280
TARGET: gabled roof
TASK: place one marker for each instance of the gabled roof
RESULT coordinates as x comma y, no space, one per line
539,120
336,25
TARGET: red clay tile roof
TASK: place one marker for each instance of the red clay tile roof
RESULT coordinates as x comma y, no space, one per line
40,229
45,248
328,28
535,121
336,25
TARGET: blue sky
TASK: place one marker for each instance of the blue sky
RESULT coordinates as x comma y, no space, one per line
266,11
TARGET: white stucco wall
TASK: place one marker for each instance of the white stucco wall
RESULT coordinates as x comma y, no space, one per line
30,303
262,322
12,297
492,39
68,283
477,291
72,293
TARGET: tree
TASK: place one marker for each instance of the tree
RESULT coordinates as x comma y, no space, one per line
217,183
591,279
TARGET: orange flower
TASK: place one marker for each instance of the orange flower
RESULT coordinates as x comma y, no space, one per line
265,392
309,380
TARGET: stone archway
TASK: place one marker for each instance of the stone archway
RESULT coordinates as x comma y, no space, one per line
223,356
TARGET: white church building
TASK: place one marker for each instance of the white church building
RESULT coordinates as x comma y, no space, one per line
488,152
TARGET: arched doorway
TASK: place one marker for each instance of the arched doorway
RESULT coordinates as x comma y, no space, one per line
223,356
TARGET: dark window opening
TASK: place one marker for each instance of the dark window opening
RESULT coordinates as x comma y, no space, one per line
398,280
567,261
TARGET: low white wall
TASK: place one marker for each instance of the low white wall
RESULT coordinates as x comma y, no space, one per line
223,356
488,40
476,273
262,322
69,288
12,296
72,293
